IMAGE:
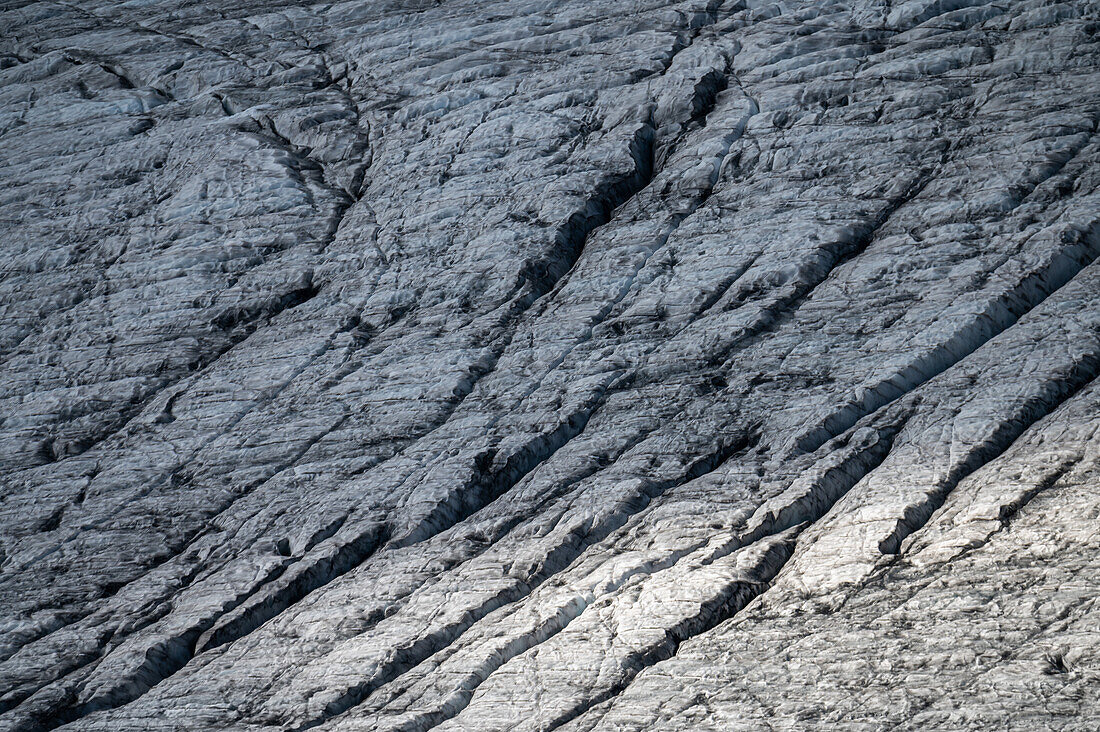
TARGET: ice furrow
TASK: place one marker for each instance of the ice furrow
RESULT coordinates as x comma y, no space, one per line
998,315
712,612
555,561
1056,393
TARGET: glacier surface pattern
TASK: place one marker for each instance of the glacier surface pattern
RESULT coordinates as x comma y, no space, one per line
561,365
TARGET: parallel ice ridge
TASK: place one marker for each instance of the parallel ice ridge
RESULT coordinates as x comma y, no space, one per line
511,365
